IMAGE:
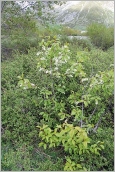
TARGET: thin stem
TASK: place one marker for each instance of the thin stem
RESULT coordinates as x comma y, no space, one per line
52,84
92,113
81,121
97,125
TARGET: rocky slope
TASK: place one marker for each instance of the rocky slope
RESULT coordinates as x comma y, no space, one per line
78,14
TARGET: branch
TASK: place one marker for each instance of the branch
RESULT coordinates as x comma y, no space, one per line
81,121
92,113
97,125
41,152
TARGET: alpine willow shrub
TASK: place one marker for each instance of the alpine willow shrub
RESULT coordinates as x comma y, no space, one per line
73,104
101,36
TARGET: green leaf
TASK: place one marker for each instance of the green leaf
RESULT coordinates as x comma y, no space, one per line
71,133
51,140
79,166
80,152
85,169
102,146
44,126
47,138
62,115
58,134
85,144
79,140
86,103
78,129
48,92
66,148
51,145
20,83
73,142
68,160
26,81
63,141
70,150
44,146
61,90
73,112
41,144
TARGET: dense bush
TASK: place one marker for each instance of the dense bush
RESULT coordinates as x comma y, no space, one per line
69,31
101,36
68,98
57,94
106,158
98,60
66,102
25,157
19,110
19,40
76,44
20,116
19,31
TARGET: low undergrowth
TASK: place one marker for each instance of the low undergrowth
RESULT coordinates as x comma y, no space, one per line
57,108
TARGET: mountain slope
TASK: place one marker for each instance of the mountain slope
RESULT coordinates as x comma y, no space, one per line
81,13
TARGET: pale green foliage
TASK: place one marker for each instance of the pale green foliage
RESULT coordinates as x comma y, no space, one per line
66,89
56,67
25,83
54,62
101,36
65,102
74,140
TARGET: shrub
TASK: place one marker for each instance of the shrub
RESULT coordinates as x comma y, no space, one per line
67,103
101,36
98,60
19,108
24,157
76,44
106,158
20,33
69,100
15,160
69,31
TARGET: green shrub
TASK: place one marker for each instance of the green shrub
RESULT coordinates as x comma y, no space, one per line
70,96
24,157
20,33
21,44
66,102
19,108
73,140
16,160
106,158
98,60
101,36
69,31
76,44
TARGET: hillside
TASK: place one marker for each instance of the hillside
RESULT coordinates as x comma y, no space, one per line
81,13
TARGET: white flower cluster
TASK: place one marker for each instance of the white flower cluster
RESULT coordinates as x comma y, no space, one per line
96,81
71,71
38,53
60,60
48,71
57,55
